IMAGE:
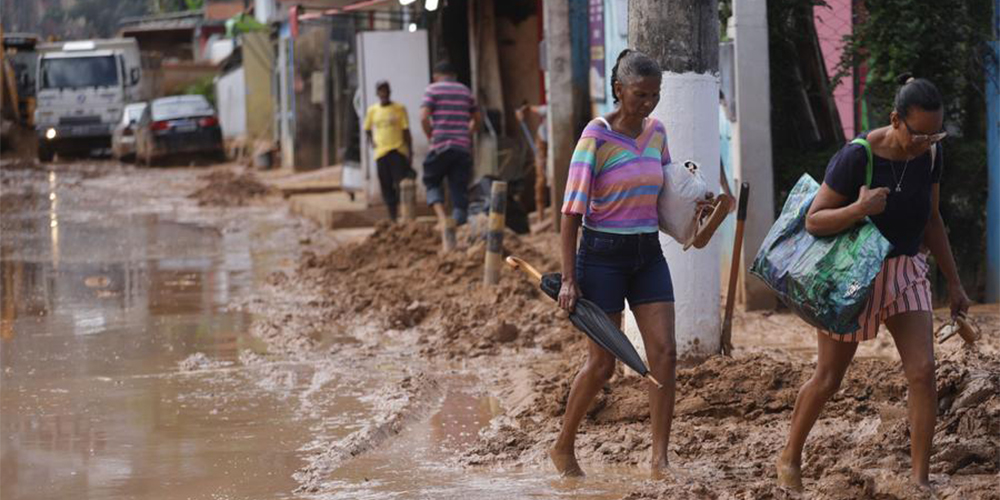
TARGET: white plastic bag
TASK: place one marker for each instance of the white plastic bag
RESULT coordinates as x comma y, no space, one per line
677,204
352,177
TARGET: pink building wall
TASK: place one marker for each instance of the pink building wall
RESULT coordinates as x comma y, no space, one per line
832,24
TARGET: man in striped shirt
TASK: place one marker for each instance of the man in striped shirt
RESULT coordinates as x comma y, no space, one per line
449,117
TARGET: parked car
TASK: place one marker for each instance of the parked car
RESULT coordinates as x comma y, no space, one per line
179,125
123,137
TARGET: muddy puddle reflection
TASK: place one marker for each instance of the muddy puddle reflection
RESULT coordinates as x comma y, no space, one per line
123,373
420,463
101,304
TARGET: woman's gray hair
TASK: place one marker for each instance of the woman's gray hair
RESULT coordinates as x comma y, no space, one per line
630,66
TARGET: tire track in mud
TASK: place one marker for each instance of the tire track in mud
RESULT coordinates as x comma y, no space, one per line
294,318
394,408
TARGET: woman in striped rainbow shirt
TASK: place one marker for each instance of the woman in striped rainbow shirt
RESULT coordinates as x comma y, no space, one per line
614,179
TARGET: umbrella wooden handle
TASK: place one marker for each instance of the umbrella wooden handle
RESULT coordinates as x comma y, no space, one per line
654,381
519,263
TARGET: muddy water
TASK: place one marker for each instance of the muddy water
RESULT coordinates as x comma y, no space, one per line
420,463
125,373
101,302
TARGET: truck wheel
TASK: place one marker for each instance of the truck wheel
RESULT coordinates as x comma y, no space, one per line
45,154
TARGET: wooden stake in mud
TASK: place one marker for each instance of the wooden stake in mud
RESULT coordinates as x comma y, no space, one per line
407,200
494,234
734,269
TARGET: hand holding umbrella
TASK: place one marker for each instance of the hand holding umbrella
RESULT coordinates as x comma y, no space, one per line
591,320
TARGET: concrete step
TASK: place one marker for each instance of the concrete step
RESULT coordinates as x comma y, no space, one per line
336,210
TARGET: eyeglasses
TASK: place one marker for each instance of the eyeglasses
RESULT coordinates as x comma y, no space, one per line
931,138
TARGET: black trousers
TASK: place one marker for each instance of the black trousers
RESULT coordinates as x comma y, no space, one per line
392,169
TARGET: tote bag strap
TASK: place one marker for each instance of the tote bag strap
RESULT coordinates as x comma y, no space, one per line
868,167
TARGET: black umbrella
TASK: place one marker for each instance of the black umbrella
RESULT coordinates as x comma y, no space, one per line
590,319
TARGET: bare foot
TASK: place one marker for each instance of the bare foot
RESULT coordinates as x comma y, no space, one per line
789,474
925,489
566,463
659,469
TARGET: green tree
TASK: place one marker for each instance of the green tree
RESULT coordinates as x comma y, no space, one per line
943,41
100,18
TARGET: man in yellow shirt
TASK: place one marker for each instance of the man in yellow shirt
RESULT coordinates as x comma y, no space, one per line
388,129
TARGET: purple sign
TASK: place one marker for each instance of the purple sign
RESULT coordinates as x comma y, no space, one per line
597,92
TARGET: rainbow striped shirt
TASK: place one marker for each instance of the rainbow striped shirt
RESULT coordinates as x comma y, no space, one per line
614,180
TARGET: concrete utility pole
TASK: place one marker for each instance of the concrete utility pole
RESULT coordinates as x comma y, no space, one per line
752,138
683,36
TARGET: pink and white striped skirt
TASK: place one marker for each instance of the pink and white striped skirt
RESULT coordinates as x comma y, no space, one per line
901,286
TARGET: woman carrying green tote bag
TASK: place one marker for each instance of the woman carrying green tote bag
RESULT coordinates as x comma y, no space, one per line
902,202
826,280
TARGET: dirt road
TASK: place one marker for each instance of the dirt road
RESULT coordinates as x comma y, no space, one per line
732,413
176,333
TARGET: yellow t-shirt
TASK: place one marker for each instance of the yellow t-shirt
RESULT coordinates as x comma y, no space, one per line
387,124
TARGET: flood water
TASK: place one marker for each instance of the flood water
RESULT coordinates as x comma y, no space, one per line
124,373
101,302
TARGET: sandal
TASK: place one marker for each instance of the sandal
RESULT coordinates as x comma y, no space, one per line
961,325
709,220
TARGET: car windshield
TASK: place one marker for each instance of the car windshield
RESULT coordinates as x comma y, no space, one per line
181,108
79,72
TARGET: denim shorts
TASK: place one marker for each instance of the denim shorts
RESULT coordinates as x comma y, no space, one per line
613,267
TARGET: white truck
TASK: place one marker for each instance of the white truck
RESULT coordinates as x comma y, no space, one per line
82,88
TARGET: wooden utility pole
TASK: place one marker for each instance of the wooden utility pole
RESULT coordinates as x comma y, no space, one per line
327,108
993,161
566,86
683,36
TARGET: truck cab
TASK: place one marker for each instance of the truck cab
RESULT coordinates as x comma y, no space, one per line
81,89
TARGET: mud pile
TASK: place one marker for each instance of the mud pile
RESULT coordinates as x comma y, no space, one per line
731,418
731,414
398,278
225,188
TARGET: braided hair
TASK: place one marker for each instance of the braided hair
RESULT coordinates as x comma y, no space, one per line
630,65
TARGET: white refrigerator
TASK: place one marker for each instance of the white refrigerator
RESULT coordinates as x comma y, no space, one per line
401,58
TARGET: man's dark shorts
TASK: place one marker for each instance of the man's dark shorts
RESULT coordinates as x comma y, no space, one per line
453,165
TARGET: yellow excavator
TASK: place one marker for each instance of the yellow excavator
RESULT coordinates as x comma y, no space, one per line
18,64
